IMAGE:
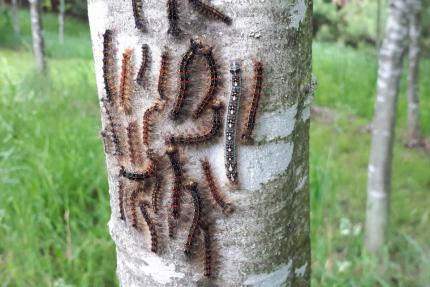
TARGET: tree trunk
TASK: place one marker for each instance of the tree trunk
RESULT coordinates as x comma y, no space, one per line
37,34
61,21
15,18
265,242
379,172
414,131
378,24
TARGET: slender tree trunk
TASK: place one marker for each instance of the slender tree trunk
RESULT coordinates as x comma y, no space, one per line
265,242
414,131
37,34
15,18
61,21
378,24
379,172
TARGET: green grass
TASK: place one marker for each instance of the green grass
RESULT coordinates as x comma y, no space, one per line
54,202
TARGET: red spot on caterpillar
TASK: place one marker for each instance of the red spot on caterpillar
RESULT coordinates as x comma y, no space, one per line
132,142
210,11
151,226
111,128
252,112
148,121
184,85
138,14
208,249
194,191
141,78
227,207
163,77
125,86
108,65
121,192
204,136
214,82
172,153
173,17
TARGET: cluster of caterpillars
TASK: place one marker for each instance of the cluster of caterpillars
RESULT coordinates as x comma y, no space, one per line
152,160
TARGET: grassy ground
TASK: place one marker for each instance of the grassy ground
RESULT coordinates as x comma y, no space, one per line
54,202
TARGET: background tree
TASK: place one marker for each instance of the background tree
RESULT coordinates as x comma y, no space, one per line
266,241
15,17
37,34
61,11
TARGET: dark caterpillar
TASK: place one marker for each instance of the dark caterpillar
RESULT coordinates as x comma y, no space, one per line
111,128
132,142
121,192
108,65
173,155
144,67
148,121
210,11
164,73
192,187
207,243
138,14
152,229
173,17
149,171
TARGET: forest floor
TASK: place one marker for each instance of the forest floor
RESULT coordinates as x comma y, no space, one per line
54,204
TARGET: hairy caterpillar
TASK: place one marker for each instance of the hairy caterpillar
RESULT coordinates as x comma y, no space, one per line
132,142
148,172
207,243
192,187
206,136
214,82
137,13
163,77
144,67
173,17
256,95
108,65
210,11
184,71
148,118
124,88
172,227
132,204
121,199
151,226
172,153
230,129
156,193
111,128
227,207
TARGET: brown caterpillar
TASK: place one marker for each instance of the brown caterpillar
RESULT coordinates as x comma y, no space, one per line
214,82
207,243
111,126
108,65
256,95
144,67
227,207
132,142
172,153
148,172
148,121
124,88
172,227
132,204
210,11
184,72
137,13
164,73
151,226
121,199
206,136
173,17
156,193
192,187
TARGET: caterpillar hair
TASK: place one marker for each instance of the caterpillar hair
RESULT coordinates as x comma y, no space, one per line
210,11
136,176
205,136
121,192
132,142
108,65
138,14
214,82
164,73
184,73
207,249
156,193
124,88
194,191
151,226
173,155
141,78
230,129
173,17
252,112
133,201
227,207
148,121
111,128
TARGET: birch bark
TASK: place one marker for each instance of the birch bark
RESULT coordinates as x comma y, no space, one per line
379,170
37,34
266,241
414,131
15,17
62,10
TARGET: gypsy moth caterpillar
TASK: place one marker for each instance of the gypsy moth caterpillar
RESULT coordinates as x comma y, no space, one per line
125,86
176,165
151,226
148,121
137,6
163,76
210,11
194,191
141,78
108,65
111,127
173,17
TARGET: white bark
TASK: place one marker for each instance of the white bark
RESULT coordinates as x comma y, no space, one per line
62,10
379,171
15,18
37,34
266,241
414,131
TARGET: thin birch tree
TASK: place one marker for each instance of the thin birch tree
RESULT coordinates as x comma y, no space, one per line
15,18
37,34
265,241
61,11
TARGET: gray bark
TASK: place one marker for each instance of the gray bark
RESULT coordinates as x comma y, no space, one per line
414,131
266,241
15,18
62,10
379,171
37,34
